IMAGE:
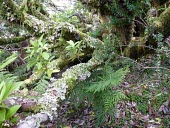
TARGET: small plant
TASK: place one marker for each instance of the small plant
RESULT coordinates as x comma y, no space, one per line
74,50
6,112
106,96
8,84
40,57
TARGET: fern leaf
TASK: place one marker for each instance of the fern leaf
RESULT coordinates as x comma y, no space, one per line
8,60
111,79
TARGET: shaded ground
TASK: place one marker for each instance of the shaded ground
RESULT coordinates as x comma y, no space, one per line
147,92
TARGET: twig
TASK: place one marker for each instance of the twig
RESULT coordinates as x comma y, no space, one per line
156,68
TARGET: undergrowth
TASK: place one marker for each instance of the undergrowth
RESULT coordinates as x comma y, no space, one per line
100,91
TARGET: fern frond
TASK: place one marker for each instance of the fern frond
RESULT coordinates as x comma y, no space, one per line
8,60
106,82
111,98
21,71
42,85
5,75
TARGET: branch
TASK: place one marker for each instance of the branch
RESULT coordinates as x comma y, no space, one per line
5,41
51,30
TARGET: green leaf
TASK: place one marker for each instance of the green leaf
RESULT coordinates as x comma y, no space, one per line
14,119
3,106
71,43
45,55
31,63
45,47
2,115
2,94
1,124
1,85
16,85
55,70
32,53
108,80
8,60
49,72
11,111
8,86
40,39
39,66
34,43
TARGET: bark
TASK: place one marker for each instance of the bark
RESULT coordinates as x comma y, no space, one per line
33,121
5,41
27,105
37,26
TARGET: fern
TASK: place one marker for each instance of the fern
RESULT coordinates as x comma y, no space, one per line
105,98
108,80
42,84
112,98
21,71
8,60
100,90
5,75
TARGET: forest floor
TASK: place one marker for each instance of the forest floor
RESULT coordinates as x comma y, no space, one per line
145,107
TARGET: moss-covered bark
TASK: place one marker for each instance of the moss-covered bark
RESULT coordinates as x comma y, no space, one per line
161,25
51,30
5,41
37,26
164,19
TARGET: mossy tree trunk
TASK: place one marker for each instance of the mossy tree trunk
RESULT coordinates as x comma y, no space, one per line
124,27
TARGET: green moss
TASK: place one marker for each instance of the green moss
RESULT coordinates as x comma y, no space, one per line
135,48
165,19
4,41
142,102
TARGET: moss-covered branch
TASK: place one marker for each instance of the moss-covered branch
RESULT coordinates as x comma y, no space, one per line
36,9
51,30
11,40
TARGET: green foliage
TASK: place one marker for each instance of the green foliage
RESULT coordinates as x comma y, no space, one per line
8,60
7,113
104,94
74,50
108,80
95,33
42,84
9,83
124,12
66,16
21,71
40,57
3,55
100,90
